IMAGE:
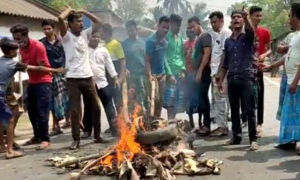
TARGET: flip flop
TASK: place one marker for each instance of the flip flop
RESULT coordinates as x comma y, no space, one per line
15,154
55,133
43,146
32,141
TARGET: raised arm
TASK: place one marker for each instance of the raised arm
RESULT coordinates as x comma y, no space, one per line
248,26
61,20
93,18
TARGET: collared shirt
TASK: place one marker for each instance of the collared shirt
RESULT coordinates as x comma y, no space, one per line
189,49
219,39
77,54
55,53
100,61
156,49
135,53
240,55
34,55
175,54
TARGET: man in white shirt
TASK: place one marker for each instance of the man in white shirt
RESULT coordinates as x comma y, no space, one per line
100,60
79,76
219,107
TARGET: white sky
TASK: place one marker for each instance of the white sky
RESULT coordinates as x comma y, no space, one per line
221,5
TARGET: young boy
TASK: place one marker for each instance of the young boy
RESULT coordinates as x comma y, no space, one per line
8,68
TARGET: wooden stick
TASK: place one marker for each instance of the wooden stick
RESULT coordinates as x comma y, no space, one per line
78,160
125,99
93,163
152,104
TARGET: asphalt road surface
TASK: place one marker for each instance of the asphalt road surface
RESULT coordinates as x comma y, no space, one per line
239,163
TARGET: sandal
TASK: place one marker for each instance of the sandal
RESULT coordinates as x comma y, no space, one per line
254,146
44,145
32,141
13,155
55,133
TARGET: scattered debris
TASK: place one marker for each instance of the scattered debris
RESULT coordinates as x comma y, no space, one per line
157,153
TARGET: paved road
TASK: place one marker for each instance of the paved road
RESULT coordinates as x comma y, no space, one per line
240,164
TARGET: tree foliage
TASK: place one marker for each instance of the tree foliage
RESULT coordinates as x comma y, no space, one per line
275,13
131,9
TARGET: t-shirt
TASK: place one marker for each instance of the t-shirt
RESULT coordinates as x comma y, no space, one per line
264,38
189,49
135,53
77,54
175,54
8,68
156,49
292,60
34,55
218,48
204,40
116,52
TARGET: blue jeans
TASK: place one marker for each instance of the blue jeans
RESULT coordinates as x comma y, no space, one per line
39,96
5,112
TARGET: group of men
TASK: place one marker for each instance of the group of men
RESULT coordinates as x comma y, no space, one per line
229,60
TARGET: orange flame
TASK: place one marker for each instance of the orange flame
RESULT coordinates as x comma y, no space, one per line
126,148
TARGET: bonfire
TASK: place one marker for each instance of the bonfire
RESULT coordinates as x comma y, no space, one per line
145,153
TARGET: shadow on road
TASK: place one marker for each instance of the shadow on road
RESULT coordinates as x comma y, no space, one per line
290,166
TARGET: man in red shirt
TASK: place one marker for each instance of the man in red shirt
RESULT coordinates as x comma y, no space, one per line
191,96
34,53
263,50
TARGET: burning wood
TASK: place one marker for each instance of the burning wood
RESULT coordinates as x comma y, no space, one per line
146,155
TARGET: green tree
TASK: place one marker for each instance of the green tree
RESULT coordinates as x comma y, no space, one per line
131,9
200,10
89,4
275,13
175,6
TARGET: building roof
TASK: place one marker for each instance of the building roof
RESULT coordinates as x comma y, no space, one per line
28,8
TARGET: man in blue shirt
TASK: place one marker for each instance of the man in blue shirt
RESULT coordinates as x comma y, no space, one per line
239,63
156,63
134,49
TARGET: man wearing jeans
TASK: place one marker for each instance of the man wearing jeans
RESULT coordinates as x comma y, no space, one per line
39,89
202,55
79,76
240,64
219,99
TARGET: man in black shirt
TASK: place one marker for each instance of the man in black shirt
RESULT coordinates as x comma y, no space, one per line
239,63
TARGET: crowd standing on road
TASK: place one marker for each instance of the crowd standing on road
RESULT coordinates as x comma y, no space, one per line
91,65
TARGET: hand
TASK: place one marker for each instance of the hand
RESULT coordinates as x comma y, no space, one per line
293,88
116,83
70,9
198,77
151,78
61,70
244,13
182,75
262,58
127,72
81,10
172,80
220,85
267,68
